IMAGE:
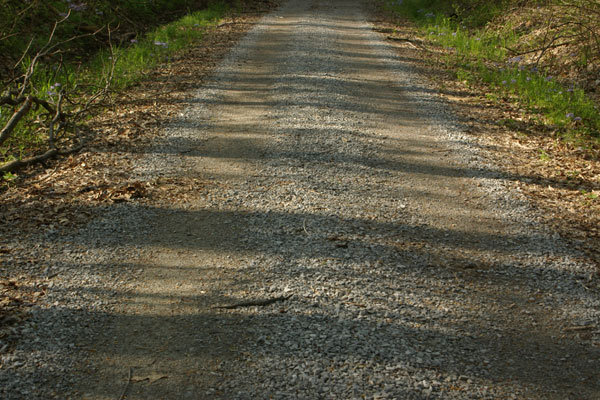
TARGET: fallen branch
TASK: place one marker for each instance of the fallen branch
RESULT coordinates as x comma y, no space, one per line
261,303
54,118
14,120
16,164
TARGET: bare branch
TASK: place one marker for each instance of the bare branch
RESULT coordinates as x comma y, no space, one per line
54,121
10,100
52,153
14,120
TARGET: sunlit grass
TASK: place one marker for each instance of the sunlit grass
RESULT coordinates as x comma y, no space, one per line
131,62
480,55
156,47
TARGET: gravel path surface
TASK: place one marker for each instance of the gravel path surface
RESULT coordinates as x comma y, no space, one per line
318,165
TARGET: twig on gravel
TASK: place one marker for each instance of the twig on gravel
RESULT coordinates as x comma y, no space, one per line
122,396
579,328
304,226
263,302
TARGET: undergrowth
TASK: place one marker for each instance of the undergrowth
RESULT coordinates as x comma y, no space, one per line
482,51
79,68
157,46
32,20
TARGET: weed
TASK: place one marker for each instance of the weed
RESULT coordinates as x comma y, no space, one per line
9,176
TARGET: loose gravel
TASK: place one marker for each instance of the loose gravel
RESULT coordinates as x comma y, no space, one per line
324,168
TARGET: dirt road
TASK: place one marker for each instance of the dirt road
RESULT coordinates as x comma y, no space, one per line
317,164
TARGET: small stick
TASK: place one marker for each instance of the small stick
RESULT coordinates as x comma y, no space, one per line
127,384
264,302
304,226
579,328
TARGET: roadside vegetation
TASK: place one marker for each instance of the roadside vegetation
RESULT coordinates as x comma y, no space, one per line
522,77
62,61
543,55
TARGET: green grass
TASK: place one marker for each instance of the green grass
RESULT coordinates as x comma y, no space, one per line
480,55
131,61
156,47
35,19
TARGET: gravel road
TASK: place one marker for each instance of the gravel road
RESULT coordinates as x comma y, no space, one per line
317,165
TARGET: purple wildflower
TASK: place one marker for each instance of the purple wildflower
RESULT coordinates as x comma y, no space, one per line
78,7
514,60
577,119
570,115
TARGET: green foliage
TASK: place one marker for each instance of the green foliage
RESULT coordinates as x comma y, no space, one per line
34,20
145,53
544,156
79,76
480,55
469,13
9,176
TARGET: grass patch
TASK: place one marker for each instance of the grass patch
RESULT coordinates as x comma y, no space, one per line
124,65
23,21
481,55
156,47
